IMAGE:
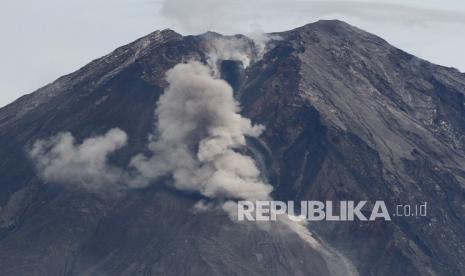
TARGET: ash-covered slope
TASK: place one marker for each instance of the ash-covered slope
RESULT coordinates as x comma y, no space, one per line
55,229
350,117
347,116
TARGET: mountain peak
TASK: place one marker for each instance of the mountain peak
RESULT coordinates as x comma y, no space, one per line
339,29
347,117
329,22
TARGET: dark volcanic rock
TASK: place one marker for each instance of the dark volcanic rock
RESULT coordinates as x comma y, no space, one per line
350,117
347,116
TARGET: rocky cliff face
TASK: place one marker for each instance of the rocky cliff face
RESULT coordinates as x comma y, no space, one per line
347,116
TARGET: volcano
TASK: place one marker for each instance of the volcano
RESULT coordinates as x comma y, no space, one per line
346,116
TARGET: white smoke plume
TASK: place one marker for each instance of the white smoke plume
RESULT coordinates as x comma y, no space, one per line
59,159
435,23
237,48
199,134
240,48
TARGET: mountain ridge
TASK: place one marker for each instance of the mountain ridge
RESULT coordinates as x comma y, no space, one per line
346,116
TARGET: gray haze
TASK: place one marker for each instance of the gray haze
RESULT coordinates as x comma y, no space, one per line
60,159
42,40
199,131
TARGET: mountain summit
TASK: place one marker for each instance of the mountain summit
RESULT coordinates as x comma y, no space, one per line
346,116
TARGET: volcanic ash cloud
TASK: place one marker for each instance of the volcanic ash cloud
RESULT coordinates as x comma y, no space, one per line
199,132
60,159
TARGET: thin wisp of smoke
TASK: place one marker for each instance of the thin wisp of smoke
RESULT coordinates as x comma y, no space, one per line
246,49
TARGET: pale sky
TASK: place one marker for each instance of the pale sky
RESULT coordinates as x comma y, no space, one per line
42,40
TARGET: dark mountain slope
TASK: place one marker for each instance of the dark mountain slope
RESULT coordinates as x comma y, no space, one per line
350,117
47,229
347,116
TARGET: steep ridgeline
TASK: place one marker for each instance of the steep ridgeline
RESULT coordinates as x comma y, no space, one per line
347,117
60,229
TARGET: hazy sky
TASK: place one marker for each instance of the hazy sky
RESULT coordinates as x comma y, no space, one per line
42,40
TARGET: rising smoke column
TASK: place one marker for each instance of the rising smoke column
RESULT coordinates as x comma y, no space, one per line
199,133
